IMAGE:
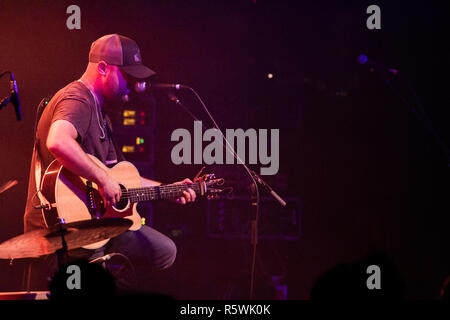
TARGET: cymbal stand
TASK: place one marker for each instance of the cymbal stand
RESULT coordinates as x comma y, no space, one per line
61,254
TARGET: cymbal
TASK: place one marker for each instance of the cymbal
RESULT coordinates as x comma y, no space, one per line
5,186
38,243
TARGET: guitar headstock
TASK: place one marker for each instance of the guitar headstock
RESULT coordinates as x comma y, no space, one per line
209,185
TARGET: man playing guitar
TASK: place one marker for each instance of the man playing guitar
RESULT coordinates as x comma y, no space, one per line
73,127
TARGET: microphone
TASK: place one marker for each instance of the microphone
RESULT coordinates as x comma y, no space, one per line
168,86
363,59
142,86
15,96
139,87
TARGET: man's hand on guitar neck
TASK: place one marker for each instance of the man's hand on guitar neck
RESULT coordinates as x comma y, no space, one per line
189,195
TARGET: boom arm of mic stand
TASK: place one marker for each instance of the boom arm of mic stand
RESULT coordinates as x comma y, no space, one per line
268,188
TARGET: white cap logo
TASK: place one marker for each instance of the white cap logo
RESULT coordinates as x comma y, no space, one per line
137,58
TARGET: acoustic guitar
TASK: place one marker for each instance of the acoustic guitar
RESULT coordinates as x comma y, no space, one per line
73,198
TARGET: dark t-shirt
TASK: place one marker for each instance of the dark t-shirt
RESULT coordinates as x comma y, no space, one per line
76,104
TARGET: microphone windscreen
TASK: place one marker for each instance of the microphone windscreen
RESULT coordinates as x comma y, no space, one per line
140,86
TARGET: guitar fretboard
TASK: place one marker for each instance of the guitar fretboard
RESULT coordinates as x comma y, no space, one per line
169,191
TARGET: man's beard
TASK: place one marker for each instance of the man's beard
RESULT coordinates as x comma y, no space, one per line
118,97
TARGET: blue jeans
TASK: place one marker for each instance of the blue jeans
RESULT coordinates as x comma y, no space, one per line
135,257
147,250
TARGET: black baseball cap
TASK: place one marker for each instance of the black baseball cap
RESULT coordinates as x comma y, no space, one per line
120,51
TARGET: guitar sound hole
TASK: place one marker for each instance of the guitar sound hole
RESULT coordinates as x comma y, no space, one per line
123,203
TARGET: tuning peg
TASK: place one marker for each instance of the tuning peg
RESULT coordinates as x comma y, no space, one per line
198,174
205,177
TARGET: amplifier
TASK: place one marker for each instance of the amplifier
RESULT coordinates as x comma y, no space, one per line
230,218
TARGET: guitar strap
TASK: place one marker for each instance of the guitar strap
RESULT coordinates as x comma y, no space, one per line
38,176
37,159
119,154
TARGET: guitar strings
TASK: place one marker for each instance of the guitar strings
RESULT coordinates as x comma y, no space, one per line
167,187
132,194
164,189
139,193
152,192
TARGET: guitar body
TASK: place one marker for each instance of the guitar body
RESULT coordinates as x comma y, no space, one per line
74,198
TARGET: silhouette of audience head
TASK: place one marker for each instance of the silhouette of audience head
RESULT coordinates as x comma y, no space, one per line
445,290
358,280
81,279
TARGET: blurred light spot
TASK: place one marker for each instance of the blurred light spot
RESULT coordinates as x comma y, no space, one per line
126,149
129,113
129,121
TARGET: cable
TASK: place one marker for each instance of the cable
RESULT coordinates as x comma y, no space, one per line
421,115
110,255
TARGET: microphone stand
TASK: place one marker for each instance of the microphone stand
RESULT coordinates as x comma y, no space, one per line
5,101
256,181
268,188
61,254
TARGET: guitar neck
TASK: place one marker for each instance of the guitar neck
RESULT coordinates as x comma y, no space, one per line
170,191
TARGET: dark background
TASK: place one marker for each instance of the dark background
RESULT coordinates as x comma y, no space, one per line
367,172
